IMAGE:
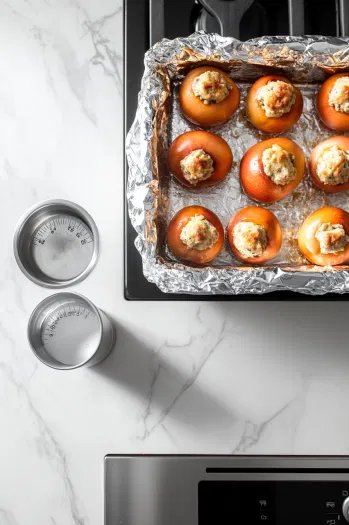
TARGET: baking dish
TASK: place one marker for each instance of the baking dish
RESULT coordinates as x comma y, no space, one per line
154,197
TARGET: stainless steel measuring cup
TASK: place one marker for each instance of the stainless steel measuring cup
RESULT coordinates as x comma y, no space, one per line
67,331
56,243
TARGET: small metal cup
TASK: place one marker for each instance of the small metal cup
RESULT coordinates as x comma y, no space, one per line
66,259
66,331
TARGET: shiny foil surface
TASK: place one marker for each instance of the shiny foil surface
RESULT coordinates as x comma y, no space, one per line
154,195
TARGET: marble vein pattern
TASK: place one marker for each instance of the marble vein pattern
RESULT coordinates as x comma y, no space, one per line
189,377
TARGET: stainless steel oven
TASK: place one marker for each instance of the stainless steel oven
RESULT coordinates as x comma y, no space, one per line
226,490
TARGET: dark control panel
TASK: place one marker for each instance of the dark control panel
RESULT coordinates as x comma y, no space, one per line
273,502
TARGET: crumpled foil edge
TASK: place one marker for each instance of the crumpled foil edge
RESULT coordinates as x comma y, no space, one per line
143,193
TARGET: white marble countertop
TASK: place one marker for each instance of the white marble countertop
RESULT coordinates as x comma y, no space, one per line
185,377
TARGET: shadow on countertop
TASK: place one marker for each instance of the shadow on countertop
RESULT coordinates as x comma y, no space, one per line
309,335
145,372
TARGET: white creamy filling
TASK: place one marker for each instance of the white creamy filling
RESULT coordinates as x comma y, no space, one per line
199,233
339,95
333,166
211,87
279,165
250,239
332,238
276,98
197,166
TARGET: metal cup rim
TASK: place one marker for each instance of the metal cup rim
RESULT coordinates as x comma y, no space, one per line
89,222
95,310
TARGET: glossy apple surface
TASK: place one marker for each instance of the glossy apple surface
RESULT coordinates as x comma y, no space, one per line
332,118
256,184
215,146
310,246
342,142
211,114
179,249
262,217
256,114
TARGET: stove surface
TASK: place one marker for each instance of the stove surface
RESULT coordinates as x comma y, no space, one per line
224,490
148,21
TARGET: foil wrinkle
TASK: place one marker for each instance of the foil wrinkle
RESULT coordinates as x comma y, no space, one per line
154,196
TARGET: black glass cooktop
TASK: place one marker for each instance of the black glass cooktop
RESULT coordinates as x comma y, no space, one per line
147,21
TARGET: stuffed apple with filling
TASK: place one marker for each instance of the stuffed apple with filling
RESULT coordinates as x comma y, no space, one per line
329,164
254,235
195,234
273,104
198,158
333,102
208,96
270,170
324,237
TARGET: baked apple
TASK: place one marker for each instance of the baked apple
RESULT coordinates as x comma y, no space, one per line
329,164
254,235
333,102
195,234
273,104
272,169
208,96
324,237
197,158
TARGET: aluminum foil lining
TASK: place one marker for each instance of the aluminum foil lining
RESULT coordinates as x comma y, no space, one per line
154,196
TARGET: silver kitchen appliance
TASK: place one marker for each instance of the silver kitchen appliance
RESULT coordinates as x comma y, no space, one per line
226,490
